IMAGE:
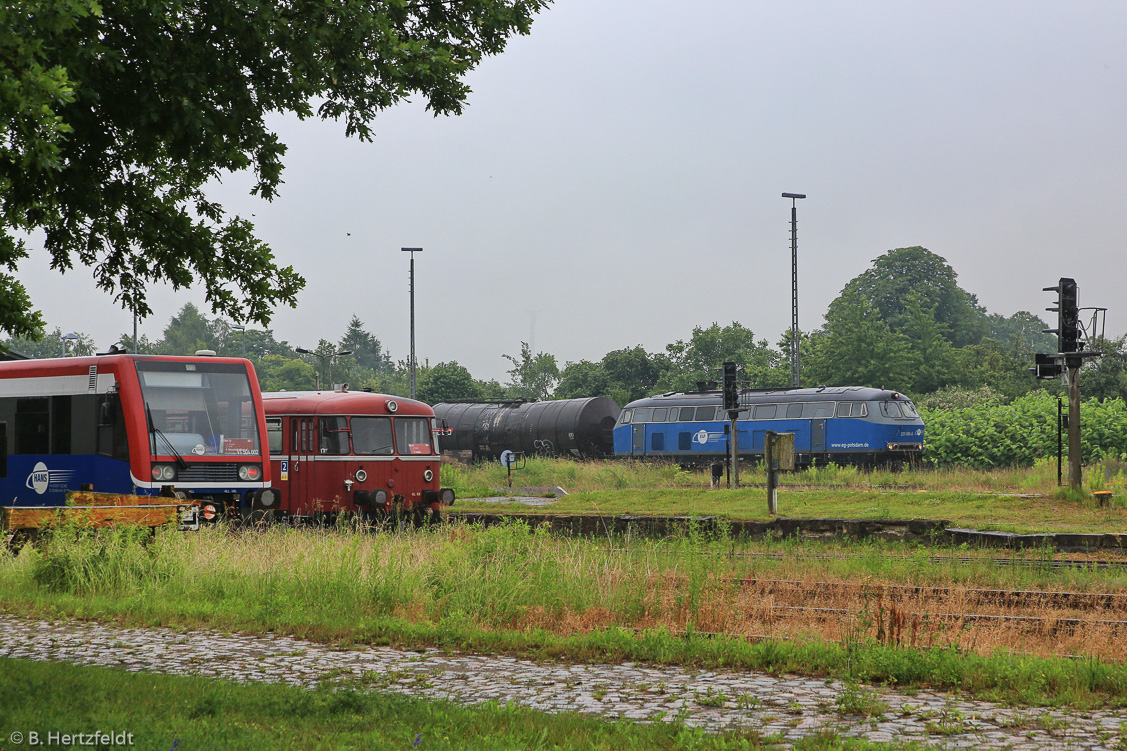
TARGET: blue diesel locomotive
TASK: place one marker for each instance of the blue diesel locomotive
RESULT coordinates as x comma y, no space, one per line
843,425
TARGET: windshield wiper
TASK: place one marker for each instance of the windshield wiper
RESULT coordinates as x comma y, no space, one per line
157,431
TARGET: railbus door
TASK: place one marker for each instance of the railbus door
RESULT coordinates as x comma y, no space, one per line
303,471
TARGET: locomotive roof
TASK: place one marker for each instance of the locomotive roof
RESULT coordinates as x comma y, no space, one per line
340,403
761,396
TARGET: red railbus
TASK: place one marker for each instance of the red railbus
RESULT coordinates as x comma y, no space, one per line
353,451
133,424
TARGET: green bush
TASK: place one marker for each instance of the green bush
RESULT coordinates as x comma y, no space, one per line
991,434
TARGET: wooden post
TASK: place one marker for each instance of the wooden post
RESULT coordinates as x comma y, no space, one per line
771,460
1074,457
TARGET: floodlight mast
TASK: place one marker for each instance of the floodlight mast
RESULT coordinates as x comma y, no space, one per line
795,366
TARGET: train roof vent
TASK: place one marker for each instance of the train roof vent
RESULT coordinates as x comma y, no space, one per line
92,387
205,353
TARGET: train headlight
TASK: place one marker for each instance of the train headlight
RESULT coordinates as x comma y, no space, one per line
164,472
379,497
361,475
446,495
250,472
428,475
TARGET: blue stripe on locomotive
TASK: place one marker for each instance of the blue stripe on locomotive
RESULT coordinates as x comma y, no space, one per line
44,479
841,436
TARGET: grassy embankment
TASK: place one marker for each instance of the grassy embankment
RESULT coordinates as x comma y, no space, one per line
1022,500
514,590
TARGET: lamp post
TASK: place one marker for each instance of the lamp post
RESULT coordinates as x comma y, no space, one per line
72,337
323,356
412,251
795,370
242,328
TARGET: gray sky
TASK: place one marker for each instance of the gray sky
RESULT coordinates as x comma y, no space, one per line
619,173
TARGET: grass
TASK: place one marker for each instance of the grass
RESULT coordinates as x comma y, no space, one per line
187,712
1014,500
515,590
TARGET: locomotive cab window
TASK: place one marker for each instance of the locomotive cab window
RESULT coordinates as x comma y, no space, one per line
627,414
334,435
412,436
274,434
890,409
371,436
909,409
851,409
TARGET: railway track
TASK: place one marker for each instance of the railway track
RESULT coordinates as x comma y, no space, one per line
1001,562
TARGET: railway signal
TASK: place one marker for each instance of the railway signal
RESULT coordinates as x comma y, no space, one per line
1072,348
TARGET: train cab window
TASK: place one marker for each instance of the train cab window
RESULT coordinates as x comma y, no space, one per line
706,414
627,415
644,414
817,410
274,434
412,436
851,409
763,412
660,413
794,410
334,435
909,409
890,409
687,414
371,436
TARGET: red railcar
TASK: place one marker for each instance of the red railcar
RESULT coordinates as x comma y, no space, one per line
356,451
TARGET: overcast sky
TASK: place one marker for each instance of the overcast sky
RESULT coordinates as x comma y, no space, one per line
616,178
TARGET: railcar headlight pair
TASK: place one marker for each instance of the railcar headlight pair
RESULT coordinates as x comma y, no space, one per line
164,472
250,472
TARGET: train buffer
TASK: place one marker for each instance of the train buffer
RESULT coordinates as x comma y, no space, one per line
86,508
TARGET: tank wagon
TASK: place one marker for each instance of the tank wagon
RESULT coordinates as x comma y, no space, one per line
582,428
356,451
845,425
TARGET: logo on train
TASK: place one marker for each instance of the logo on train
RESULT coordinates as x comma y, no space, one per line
42,478
703,436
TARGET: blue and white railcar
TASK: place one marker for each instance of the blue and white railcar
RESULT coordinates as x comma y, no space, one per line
843,425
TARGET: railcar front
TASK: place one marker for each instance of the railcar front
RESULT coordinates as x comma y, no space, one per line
353,451
847,425
132,424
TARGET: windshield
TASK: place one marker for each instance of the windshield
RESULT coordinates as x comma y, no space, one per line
412,435
372,436
202,408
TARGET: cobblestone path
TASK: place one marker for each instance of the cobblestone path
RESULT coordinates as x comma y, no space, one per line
789,706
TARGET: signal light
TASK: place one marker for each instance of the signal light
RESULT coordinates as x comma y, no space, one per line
731,395
1068,316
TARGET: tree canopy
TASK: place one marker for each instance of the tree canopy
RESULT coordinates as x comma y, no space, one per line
114,115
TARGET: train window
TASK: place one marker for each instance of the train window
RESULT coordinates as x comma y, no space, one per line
32,434
334,435
909,409
412,436
851,409
687,414
890,409
274,434
627,414
706,414
794,410
371,436
643,414
817,410
660,414
763,412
